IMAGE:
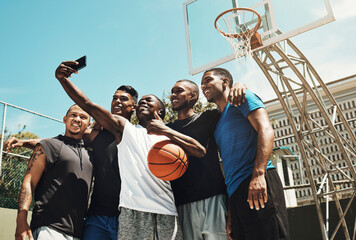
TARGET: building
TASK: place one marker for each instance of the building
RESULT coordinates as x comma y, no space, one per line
344,91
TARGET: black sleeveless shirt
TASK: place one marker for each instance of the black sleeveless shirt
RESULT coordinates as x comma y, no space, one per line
107,183
203,178
62,193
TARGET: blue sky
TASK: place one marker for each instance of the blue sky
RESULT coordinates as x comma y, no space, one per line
140,43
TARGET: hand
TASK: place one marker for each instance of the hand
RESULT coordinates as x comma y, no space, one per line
64,70
156,126
237,94
12,142
257,192
228,226
23,230
97,126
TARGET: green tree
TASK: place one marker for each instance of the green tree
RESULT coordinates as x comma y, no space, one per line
13,170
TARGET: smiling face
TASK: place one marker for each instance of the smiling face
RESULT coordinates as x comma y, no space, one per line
76,121
212,86
146,108
122,104
183,96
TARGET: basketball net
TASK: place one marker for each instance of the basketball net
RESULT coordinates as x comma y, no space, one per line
239,27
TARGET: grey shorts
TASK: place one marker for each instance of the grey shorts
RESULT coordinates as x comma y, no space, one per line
144,225
204,219
47,233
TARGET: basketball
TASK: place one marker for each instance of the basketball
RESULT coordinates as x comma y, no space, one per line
167,161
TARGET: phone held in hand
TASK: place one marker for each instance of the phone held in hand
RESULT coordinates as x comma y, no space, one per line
82,63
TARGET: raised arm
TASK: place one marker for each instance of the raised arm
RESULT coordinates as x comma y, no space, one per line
190,145
257,195
101,115
35,168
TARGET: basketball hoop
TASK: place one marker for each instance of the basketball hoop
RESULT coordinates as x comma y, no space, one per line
239,27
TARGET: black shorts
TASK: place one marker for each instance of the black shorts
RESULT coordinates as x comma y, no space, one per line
270,222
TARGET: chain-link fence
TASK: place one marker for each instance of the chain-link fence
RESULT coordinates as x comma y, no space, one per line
13,170
23,124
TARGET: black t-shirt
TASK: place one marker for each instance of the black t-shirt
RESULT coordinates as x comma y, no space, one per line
107,183
62,193
203,177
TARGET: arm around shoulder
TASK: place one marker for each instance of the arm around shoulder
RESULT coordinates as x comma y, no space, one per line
190,145
13,142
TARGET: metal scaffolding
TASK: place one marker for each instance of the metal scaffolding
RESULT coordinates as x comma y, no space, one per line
289,72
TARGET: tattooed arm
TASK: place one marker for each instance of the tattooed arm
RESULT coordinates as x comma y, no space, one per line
35,168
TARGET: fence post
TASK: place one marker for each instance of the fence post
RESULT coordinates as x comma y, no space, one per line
2,134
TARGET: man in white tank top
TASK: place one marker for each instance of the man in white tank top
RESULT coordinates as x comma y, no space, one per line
146,203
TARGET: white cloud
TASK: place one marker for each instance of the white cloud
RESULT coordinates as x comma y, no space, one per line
344,9
15,123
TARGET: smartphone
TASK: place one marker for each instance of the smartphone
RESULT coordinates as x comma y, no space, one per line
82,63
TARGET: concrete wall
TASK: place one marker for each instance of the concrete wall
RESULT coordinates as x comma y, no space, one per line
8,223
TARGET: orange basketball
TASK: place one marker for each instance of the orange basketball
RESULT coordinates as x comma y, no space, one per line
167,160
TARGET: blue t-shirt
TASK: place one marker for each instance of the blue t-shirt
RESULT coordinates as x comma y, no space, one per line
237,140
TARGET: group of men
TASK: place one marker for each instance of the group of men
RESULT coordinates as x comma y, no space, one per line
127,201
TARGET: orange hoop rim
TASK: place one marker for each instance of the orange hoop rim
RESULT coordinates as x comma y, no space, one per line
243,34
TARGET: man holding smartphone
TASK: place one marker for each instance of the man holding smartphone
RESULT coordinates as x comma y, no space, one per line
143,195
102,217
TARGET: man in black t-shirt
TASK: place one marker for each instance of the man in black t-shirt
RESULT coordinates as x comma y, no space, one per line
102,220
59,176
200,194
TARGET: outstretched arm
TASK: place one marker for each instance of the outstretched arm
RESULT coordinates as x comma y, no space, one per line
35,168
13,142
257,195
101,115
190,145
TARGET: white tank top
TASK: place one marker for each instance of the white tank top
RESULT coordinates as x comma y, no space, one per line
140,189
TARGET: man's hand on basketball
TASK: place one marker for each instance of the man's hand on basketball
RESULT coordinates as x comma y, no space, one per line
237,94
257,192
156,126
64,70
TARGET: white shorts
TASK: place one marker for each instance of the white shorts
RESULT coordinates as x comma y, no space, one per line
47,233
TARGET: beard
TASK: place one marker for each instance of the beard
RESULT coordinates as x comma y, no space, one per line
181,107
74,133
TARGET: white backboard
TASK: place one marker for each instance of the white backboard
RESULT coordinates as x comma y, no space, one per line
207,48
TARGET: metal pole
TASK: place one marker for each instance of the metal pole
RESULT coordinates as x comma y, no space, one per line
327,217
2,134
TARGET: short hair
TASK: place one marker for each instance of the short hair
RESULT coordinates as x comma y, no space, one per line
222,72
130,90
162,107
71,108
195,87
80,108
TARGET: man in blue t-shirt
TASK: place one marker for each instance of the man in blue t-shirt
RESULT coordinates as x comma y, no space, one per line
245,139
